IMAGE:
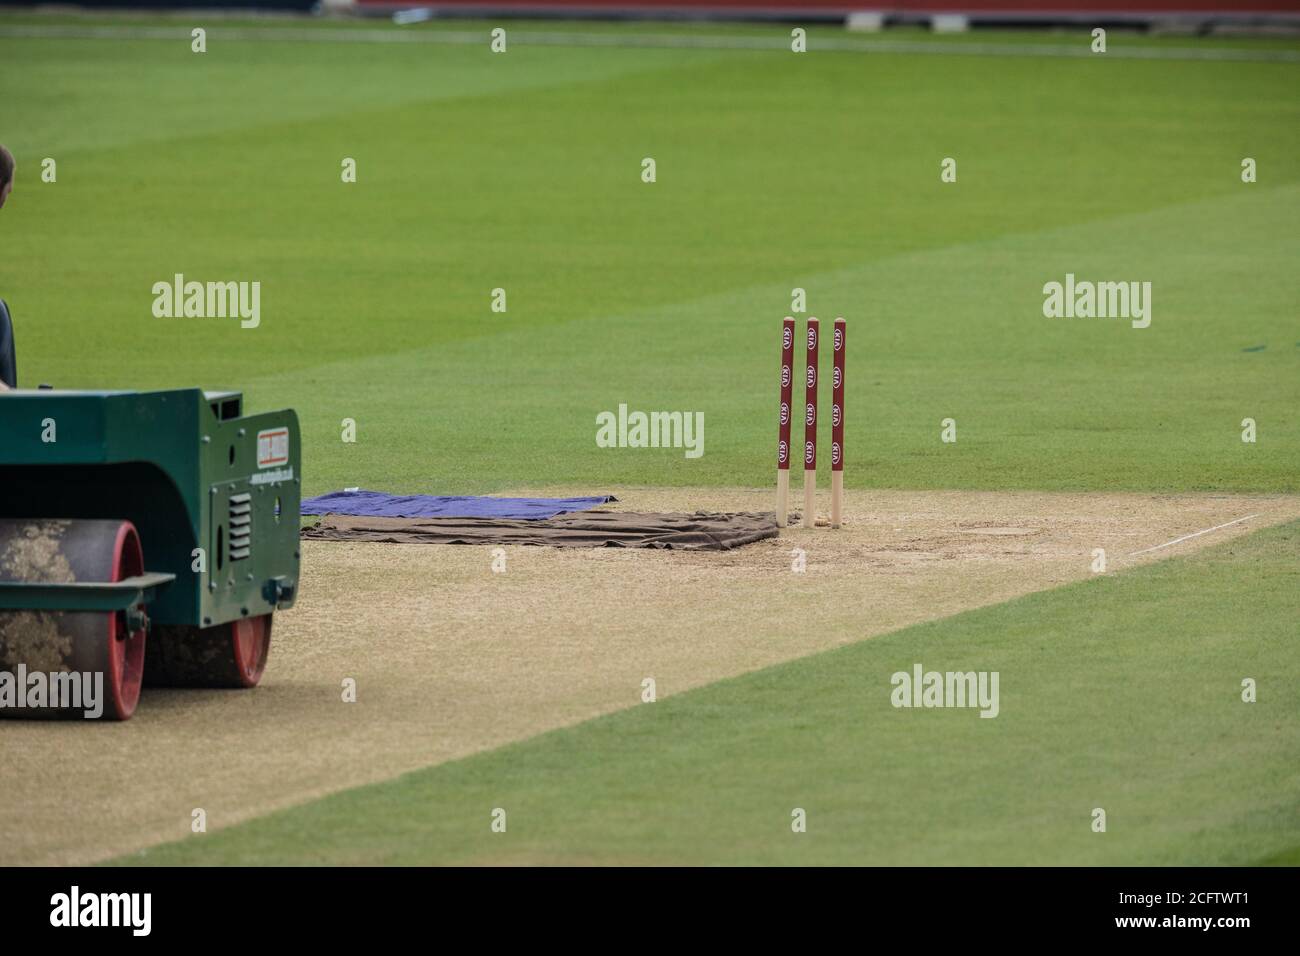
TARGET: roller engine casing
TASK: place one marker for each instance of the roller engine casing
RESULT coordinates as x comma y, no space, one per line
213,495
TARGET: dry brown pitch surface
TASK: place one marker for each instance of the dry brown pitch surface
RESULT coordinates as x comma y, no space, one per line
451,658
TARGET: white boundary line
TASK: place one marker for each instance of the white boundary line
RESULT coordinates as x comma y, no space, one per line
660,41
1195,534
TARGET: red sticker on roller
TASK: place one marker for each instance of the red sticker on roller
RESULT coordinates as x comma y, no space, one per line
273,447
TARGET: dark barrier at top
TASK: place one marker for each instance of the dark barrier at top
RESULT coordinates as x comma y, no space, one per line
303,5
1008,9
1022,10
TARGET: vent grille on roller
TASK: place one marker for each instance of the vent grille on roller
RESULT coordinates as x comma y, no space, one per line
241,526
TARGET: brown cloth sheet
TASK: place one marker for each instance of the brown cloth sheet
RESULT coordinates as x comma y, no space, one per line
702,531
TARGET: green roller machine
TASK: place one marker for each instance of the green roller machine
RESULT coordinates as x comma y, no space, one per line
145,536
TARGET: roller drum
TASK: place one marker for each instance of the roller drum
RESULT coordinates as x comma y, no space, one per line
51,642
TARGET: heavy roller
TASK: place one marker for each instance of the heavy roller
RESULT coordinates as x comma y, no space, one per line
147,537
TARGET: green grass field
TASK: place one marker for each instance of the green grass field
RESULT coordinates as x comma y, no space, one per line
775,171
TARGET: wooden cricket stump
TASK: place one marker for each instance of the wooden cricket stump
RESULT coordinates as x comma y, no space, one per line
809,497
810,427
837,424
783,433
782,497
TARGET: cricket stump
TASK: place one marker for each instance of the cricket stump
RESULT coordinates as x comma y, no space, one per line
783,431
837,424
810,428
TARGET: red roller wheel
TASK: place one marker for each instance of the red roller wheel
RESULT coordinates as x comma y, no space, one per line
251,643
225,655
126,648
60,551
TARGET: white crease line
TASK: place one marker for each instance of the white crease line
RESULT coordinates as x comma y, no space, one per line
1194,534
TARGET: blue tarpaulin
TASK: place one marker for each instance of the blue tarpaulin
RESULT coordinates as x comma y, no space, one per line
378,504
